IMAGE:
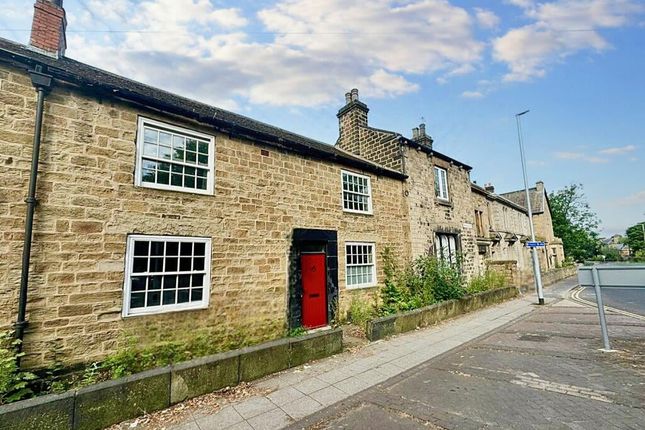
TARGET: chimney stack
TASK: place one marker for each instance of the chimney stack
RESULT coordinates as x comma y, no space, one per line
351,118
419,135
489,187
48,28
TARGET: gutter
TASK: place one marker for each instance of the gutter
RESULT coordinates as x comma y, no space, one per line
42,83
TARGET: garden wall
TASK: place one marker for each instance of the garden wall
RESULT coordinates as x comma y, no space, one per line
101,405
394,324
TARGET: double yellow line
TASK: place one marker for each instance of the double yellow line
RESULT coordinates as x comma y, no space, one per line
574,295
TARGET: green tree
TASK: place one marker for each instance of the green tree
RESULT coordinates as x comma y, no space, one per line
574,222
635,238
610,254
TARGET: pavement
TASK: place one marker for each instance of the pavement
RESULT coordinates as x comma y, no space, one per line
514,365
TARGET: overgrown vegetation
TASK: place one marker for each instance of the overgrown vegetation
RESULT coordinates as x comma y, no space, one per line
422,282
488,281
361,311
297,331
14,383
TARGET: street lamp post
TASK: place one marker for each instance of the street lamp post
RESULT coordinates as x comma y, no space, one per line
536,261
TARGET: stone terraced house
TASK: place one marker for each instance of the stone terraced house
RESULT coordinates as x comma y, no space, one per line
163,218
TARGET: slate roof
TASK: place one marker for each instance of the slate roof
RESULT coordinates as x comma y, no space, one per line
101,82
500,198
538,199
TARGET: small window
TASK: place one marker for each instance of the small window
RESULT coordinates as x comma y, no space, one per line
479,223
174,158
360,265
441,183
166,273
357,193
445,247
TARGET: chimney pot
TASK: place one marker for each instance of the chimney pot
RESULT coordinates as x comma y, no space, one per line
348,98
422,130
415,133
354,94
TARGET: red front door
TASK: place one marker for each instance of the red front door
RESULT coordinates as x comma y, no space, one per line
314,289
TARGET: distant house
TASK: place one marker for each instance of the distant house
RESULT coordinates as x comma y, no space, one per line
616,242
165,219
553,253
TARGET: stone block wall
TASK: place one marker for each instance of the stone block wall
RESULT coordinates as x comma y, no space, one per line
381,147
88,204
428,215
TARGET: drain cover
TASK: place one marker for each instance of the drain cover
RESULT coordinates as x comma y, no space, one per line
534,337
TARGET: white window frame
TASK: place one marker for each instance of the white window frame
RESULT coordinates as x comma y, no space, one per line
374,280
442,185
210,178
369,193
129,261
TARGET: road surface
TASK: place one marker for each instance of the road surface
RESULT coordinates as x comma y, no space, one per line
627,299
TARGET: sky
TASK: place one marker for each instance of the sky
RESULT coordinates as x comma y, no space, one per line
465,68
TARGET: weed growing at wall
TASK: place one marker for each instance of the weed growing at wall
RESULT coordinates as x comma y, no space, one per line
14,383
488,281
361,311
422,282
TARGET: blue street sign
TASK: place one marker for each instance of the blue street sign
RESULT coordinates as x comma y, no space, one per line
535,244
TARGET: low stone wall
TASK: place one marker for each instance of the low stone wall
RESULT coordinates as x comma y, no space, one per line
549,277
394,324
555,275
101,405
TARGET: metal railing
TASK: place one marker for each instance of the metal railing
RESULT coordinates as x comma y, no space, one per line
610,276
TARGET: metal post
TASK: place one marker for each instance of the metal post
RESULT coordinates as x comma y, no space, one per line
601,310
536,262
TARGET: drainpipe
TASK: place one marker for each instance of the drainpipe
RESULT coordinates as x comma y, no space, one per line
42,83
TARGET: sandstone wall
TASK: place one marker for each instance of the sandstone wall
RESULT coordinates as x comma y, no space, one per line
88,204
429,215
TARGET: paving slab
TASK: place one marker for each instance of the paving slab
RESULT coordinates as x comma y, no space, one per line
254,406
328,395
223,419
272,420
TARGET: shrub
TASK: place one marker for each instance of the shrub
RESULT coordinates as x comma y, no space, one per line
444,279
640,256
360,311
420,283
488,281
14,383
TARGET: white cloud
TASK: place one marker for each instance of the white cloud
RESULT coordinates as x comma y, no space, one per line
618,150
637,198
486,18
313,51
566,155
559,29
472,94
